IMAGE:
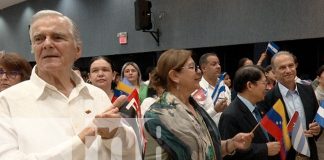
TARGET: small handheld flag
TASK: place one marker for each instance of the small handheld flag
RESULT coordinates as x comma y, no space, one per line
132,111
219,88
272,48
298,138
276,124
319,118
200,94
124,87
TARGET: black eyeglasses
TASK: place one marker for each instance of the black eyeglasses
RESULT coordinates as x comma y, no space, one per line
9,74
192,67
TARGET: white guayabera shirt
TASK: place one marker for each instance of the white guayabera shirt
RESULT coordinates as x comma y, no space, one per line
39,122
208,103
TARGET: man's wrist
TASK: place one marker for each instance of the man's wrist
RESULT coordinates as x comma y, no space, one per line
230,147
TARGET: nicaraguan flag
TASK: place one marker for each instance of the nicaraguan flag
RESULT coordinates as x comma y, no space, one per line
272,48
319,118
298,138
219,88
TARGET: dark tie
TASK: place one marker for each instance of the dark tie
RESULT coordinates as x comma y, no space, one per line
258,117
257,114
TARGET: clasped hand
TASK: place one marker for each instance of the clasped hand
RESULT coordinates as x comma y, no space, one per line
106,123
314,130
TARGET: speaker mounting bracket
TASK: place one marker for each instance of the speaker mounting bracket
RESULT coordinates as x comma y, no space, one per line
155,35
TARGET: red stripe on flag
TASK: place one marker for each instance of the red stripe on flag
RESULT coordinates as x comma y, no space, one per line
271,127
283,151
292,122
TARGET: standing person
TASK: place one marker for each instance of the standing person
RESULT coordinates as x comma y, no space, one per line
132,73
296,97
227,80
211,69
102,75
176,122
247,61
319,92
242,115
52,120
244,62
13,69
271,79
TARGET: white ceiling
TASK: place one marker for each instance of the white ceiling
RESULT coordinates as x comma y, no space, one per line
8,3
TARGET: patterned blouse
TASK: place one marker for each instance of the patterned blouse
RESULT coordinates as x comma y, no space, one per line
181,134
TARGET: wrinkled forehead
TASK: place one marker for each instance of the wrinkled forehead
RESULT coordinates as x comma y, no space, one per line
50,21
283,60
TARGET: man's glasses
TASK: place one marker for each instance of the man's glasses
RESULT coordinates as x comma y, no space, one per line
262,82
9,74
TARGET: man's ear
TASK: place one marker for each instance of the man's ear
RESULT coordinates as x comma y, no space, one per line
249,85
174,76
78,53
203,67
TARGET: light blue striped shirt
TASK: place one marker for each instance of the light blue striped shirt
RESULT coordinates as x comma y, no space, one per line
293,103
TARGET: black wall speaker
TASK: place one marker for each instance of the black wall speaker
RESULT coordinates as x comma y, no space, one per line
143,15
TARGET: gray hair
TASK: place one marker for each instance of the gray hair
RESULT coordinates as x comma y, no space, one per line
44,13
287,53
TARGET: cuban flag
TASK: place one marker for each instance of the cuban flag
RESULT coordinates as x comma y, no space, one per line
131,110
319,118
272,48
219,88
298,138
276,125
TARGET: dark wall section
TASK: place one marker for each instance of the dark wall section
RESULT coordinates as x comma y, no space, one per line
184,24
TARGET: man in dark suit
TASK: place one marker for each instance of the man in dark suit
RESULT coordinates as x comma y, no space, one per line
296,97
242,115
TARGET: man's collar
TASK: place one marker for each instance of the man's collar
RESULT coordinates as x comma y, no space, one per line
41,85
285,91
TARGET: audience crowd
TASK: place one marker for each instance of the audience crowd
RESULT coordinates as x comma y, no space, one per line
55,111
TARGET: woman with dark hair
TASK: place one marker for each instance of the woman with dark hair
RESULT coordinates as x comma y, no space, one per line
244,62
178,127
13,69
319,92
101,74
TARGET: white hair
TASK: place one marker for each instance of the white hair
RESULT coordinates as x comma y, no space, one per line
44,13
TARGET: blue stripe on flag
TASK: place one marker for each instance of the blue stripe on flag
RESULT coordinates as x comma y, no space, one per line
299,141
273,48
219,88
319,118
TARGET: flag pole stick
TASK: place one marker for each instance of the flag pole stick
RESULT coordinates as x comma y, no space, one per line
255,127
267,47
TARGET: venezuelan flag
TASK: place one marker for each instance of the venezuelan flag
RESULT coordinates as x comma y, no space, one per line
276,124
124,87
